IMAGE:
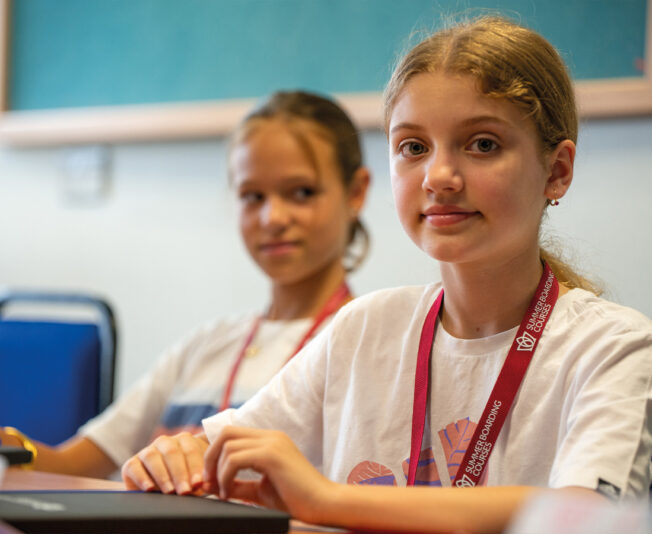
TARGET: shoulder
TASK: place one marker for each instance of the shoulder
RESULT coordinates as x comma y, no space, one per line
579,309
596,333
383,300
387,308
211,336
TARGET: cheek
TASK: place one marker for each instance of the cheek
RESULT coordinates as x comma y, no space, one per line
516,201
328,225
404,198
246,223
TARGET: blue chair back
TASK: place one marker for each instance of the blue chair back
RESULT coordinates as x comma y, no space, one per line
55,374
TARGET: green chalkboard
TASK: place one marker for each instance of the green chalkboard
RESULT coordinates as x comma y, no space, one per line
79,53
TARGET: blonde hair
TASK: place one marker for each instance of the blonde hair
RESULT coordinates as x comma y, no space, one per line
509,62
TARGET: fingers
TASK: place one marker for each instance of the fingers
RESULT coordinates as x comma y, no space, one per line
246,490
170,464
135,476
236,449
288,482
214,451
193,449
238,454
260,492
179,463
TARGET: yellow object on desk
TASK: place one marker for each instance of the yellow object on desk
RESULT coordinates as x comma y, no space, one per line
25,442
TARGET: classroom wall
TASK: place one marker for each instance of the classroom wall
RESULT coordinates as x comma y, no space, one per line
162,245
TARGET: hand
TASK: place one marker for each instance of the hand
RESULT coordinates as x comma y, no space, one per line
169,464
10,441
289,482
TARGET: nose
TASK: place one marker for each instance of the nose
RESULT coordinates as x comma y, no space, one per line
275,214
442,173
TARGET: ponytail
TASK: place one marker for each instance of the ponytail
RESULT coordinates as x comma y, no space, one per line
566,275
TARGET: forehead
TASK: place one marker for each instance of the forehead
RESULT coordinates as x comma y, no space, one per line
443,99
277,148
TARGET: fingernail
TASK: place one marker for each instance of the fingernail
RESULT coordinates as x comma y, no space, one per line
196,480
168,488
183,488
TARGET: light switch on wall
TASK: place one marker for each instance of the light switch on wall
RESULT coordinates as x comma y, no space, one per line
86,174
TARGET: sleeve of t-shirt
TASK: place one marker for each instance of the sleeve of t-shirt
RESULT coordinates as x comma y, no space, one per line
607,444
128,424
291,402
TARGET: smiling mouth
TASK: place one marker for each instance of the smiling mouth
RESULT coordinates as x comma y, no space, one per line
278,248
441,218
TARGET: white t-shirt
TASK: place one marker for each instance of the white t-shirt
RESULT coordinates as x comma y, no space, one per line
188,383
581,416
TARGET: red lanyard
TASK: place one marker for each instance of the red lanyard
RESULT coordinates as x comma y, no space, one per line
334,303
502,396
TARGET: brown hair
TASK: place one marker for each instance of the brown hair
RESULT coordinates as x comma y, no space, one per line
510,62
334,124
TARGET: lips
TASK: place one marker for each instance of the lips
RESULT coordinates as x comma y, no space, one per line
278,248
446,215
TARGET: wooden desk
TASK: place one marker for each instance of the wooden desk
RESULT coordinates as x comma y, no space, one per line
21,479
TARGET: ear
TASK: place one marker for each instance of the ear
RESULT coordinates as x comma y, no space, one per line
560,161
357,190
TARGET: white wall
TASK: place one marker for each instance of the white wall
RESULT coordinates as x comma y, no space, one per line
162,246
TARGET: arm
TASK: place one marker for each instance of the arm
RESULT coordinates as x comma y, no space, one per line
289,482
76,456
292,484
421,509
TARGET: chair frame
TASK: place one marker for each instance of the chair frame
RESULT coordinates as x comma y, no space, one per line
106,328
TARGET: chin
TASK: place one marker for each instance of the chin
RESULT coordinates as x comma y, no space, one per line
284,276
449,254
440,252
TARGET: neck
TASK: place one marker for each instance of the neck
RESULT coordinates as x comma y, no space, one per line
484,300
305,298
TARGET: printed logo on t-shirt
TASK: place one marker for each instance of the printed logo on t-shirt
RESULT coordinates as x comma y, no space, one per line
454,438
427,474
371,473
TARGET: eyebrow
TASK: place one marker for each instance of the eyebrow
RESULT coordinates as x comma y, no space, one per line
466,122
484,118
408,125
290,180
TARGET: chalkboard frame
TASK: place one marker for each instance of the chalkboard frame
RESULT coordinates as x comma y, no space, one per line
617,97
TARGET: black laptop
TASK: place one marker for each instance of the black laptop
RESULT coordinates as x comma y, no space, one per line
123,512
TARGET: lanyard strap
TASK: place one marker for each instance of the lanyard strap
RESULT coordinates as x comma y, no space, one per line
504,391
335,302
